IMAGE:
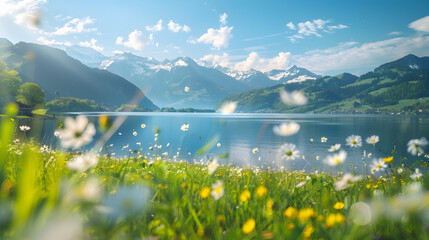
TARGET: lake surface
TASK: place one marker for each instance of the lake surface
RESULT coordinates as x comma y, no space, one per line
240,133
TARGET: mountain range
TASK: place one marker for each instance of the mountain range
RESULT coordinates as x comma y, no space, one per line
164,81
401,85
59,75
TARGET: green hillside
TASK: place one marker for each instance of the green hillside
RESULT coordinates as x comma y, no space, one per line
394,87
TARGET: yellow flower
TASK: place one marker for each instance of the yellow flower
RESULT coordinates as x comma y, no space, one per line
270,204
290,212
245,195
291,226
339,218
205,192
330,220
388,159
261,191
305,214
339,205
308,230
249,226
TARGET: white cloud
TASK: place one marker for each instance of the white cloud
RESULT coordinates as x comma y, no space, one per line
366,56
155,28
186,28
421,24
315,27
25,12
92,44
175,27
254,61
75,25
222,19
52,42
221,60
217,37
291,26
136,40
394,33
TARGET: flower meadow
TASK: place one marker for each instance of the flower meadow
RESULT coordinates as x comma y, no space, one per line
71,192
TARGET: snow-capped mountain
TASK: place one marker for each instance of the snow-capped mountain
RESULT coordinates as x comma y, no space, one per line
292,75
165,81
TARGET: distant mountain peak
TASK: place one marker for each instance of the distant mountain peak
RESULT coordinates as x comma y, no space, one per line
5,42
410,61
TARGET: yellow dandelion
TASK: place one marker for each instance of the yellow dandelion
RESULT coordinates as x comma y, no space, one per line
388,159
330,220
305,214
245,196
205,192
270,204
338,205
261,191
308,230
249,226
339,218
290,212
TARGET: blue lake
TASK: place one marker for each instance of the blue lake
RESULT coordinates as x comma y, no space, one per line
240,133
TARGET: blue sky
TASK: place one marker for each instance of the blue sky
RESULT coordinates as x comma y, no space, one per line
327,37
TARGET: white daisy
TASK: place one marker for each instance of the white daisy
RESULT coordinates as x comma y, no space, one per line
288,152
135,133
335,148
335,159
143,125
76,133
293,98
400,170
323,139
217,190
44,148
228,108
24,128
83,163
255,150
372,140
416,175
354,141
377,165
184,127
415,146
218,144
286,129
346,181
212,166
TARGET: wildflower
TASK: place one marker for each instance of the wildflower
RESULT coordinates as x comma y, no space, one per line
24,128
245,196
372,140
288,152
184,127
308,230
400,170
261,191
300,184
346,181
311,140
305,214
255,150
334,160
354,141
334,218
415,146
228,107
323,139
248,226
317,158
127,201
286,129
186,89
83,163
290,212
212,166
378,164
44,148
57,134
135,133
77,132
217,190
293,98
388,159
338,205
335,147
143,125
218,144
416,175
204,193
